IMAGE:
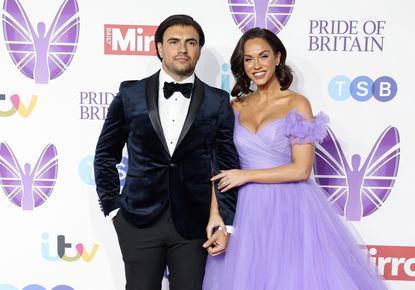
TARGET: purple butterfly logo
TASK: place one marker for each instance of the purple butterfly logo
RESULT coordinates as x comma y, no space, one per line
358,190
270,14
26,187
41,55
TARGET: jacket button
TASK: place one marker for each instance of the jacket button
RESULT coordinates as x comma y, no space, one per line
172,165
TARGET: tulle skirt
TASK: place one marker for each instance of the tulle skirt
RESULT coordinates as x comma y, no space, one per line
288,237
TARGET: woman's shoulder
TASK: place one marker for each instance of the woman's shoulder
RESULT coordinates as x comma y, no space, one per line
301,125
296,99
238,103
300,104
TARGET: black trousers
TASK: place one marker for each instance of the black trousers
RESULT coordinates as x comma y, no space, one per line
147,251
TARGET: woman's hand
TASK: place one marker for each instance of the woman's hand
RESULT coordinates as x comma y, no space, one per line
230,178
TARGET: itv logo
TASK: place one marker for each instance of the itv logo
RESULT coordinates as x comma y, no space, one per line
17,106
65,251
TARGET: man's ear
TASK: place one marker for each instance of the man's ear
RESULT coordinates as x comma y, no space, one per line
160,49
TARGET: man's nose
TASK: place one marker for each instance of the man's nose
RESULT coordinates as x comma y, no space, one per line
183,47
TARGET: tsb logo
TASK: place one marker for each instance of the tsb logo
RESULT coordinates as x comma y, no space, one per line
362,88
86,170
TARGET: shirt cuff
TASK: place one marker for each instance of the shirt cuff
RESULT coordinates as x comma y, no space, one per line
113,213
230,229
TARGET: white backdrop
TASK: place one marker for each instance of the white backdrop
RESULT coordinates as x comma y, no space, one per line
377,41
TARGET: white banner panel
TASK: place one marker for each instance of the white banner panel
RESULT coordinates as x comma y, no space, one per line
62,61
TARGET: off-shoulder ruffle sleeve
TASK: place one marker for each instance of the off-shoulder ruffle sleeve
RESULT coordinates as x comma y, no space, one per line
302,131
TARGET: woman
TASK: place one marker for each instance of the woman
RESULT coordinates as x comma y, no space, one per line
287,236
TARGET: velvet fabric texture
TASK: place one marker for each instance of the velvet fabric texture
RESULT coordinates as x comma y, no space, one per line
156,179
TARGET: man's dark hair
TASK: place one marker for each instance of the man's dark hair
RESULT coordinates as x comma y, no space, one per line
179,19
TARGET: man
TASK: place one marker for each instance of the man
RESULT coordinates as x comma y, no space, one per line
177,137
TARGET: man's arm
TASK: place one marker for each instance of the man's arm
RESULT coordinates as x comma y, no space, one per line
108,154
217,232
226,157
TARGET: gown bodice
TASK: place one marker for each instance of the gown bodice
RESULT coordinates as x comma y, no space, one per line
271,146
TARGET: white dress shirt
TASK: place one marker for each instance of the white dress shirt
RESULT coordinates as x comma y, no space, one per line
172,111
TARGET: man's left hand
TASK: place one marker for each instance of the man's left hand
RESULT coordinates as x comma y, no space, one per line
217,243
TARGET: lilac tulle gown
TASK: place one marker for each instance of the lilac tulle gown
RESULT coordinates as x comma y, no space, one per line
287,236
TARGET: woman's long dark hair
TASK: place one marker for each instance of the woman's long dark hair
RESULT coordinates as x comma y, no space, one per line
242,82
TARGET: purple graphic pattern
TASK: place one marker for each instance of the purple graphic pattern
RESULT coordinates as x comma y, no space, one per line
270,14
38,54
358,190
25,187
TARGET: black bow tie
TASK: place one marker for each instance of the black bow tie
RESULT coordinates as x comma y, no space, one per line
170,88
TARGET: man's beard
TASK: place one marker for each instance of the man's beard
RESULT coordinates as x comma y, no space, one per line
184,71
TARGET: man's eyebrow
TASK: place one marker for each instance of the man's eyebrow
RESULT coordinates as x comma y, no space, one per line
172,38
186,40
192,39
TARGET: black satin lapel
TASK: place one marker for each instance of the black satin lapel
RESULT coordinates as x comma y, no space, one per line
195,102
152,89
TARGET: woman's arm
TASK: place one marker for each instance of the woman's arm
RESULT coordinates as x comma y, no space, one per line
299,169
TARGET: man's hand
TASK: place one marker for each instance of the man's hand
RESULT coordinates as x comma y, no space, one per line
215,220
217,243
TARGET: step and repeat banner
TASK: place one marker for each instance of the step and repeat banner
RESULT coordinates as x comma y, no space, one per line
61,62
